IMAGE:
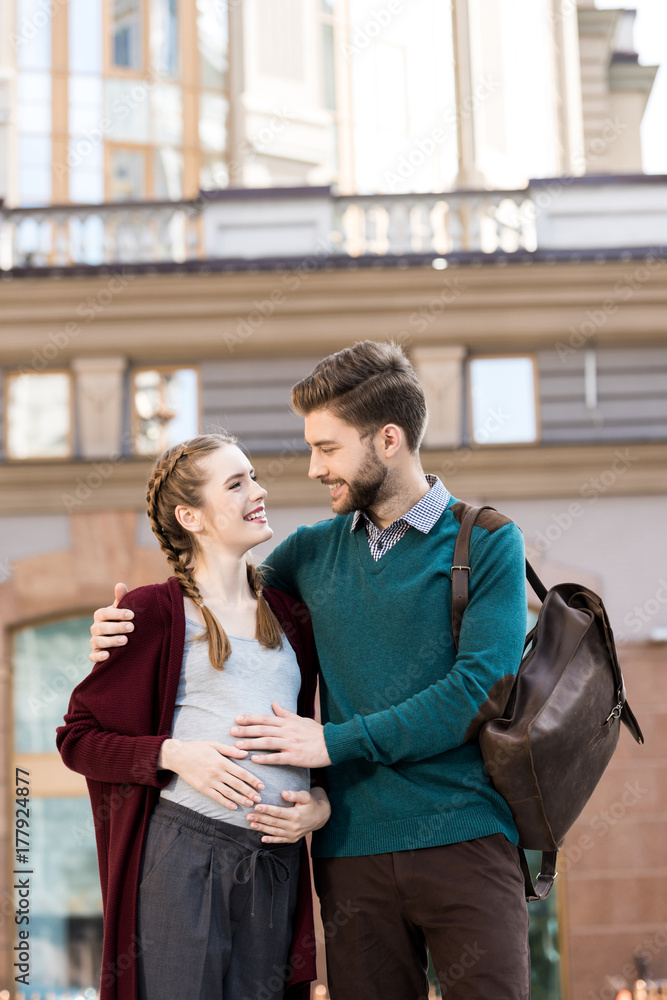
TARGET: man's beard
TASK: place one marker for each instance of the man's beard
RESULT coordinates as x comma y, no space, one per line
369,486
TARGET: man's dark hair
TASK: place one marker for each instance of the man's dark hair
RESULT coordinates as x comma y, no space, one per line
368,385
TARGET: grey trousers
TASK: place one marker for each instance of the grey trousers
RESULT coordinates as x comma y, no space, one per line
215,910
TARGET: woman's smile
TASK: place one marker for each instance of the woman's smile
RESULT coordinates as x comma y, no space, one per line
258,514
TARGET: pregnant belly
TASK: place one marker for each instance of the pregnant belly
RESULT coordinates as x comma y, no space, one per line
278,778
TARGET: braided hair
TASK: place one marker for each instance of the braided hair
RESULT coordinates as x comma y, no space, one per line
177,478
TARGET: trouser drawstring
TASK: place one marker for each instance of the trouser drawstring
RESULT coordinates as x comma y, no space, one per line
278,872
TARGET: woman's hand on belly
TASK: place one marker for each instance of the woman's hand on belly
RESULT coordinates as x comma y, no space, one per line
208,768
287,824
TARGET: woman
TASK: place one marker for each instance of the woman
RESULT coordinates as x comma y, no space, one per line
204,869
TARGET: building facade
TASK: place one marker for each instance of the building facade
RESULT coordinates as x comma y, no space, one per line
202,200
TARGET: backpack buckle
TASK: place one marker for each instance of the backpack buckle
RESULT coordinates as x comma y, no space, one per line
615,713
458,567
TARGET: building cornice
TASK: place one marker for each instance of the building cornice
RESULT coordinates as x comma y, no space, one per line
625,74
190,316
505,471
342,262
596,21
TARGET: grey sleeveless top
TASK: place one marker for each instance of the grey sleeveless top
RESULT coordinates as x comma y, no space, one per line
208,702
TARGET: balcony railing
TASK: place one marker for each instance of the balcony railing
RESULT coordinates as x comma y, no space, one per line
440,223
561,213
113,233
145,232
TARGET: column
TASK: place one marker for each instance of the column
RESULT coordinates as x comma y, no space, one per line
440,371
99,405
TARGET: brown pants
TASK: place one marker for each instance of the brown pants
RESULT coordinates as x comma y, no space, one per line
464,903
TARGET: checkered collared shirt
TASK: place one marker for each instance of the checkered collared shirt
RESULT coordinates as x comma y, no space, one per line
422,516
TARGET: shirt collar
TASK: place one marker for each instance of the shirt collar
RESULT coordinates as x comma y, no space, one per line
425,512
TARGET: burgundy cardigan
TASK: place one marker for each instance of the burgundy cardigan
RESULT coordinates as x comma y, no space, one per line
117,720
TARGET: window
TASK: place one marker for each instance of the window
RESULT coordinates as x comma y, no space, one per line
503,404
85,110
86,141
33,115
126,33
66,903
49,661
213,41
168,174
35,174
214,173
328,65
166,408
39,415
85,36
127,174
213,46
213,122
167,114
164,37
127,104
34,35
66,917
124,61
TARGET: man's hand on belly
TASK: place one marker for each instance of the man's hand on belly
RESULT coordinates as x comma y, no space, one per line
295,741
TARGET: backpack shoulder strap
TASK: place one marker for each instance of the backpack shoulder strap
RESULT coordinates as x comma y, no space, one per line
541,887
460,571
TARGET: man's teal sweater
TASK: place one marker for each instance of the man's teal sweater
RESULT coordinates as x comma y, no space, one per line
401,710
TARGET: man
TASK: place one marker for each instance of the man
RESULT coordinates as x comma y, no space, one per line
419,854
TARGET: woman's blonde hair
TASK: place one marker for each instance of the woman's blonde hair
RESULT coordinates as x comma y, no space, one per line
178,478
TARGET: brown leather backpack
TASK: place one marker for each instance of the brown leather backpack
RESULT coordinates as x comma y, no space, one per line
550,747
